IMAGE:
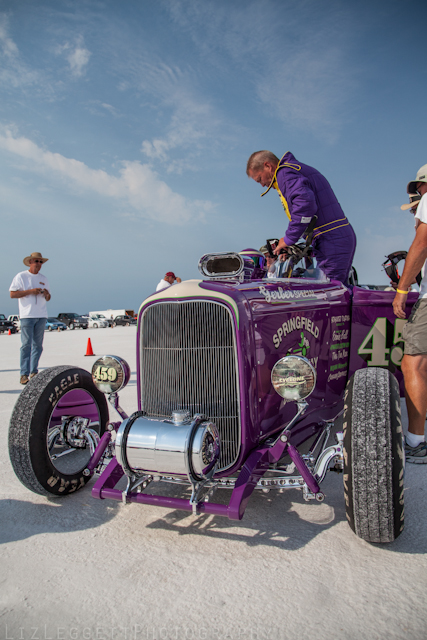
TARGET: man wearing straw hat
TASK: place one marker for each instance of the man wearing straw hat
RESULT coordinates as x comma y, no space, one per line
32,290
414,362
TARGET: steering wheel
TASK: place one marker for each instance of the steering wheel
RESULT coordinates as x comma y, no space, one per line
296,253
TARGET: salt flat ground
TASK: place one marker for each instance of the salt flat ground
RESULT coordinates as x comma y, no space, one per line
80,568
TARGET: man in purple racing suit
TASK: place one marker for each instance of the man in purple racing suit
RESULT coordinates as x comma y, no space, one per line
305,193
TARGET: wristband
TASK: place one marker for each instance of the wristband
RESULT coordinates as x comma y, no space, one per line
404,292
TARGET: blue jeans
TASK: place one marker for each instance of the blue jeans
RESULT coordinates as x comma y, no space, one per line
32,334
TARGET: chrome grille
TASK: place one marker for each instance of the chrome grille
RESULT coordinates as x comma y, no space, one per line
189,361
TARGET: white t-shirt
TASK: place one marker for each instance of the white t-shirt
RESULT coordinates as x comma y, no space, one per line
31,306
421,215
163,284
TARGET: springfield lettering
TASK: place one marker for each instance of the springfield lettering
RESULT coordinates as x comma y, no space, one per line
280,294
294,324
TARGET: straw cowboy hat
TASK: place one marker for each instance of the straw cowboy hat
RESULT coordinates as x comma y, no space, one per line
414,200
34,256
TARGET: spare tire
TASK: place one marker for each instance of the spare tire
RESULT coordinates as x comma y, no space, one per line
41,459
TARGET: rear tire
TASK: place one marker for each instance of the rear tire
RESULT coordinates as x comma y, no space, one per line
374,459
36,454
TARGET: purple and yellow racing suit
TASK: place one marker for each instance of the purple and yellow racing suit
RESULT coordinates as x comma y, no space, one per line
305,193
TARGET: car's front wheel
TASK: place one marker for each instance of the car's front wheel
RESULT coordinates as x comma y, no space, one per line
374,458
46,451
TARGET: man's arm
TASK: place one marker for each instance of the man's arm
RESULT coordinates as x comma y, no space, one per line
28,292
415,259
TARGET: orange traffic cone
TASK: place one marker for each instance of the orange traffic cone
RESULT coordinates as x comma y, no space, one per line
9,333
89,350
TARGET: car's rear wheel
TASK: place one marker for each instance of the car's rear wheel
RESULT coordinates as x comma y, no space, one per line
45,452
374,459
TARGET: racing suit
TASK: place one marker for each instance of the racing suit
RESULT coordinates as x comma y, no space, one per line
304,192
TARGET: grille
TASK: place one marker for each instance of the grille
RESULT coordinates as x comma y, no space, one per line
189,361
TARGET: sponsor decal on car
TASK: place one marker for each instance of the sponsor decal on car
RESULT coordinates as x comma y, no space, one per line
339,348
295,324
288,294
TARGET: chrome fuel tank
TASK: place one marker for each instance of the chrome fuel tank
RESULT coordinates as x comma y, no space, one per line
180,447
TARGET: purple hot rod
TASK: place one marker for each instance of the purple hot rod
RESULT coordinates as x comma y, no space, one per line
244,382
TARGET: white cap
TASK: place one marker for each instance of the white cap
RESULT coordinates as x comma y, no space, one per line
421,177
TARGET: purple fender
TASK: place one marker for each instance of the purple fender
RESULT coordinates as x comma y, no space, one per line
376,333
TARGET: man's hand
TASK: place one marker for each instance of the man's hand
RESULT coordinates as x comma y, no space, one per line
399,305
281,245
27,292
178,280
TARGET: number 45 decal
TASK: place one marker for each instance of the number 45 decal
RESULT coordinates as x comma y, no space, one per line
378,349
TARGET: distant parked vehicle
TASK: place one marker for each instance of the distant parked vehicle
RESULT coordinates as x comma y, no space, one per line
101,316
16,321
53,324
94,323
73,320
124,320
5,325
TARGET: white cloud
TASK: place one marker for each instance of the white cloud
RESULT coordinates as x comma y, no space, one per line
137,184
294,55
8,46
307,91
78,60
13,71
76,55
191,128
195,123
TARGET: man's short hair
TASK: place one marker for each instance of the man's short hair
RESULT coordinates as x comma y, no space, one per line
257,159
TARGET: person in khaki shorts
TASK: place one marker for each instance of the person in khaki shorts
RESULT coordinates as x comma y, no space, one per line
414,362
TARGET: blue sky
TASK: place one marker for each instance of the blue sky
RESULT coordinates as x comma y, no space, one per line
125,128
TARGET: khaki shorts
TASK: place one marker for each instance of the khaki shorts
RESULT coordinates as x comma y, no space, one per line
415,330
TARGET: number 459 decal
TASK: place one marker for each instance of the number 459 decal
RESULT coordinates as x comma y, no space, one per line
383,346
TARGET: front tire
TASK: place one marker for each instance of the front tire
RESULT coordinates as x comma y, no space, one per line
42,461
374,459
